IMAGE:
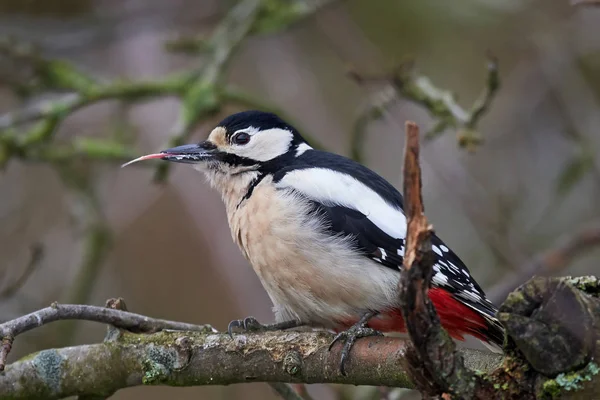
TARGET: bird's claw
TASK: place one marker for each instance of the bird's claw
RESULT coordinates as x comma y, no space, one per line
349,336
248,324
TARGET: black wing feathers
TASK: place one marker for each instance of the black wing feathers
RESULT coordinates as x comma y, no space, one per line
368,238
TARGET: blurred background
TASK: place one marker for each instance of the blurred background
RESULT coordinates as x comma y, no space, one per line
502,188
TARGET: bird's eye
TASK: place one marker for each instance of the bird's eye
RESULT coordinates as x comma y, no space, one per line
241,138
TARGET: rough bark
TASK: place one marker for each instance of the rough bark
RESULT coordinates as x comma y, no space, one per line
202,358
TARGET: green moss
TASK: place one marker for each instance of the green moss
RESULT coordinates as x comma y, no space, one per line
158,365
162,338
403,380
588,284
154,373
276,15
551,389
572,381
513,299
48,365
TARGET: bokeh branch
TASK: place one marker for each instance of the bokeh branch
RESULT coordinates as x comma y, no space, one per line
441,104
37,253
551,261
592,3
29,134
200,88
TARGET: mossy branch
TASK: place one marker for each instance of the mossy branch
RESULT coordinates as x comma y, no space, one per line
197,355
200,358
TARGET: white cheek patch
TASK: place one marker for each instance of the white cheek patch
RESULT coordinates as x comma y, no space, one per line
264,145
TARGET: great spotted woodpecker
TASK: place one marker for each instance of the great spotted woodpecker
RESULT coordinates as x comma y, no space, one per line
324,234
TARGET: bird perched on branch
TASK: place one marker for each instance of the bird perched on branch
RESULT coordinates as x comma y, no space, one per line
324,234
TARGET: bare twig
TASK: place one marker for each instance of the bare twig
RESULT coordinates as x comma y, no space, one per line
204,358
551,261
37,252
60,312
435,356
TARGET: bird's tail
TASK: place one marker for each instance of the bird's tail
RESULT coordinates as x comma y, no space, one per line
494,334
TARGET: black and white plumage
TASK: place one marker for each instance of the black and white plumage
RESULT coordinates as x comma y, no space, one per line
325,234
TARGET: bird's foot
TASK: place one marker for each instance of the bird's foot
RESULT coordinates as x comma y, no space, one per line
349,336
250,324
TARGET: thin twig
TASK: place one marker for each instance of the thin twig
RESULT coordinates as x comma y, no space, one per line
551,261
37,253
482,104
60,312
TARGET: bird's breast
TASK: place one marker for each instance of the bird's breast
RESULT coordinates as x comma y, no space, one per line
308,274
266,229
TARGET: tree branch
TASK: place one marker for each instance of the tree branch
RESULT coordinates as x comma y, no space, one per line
201,358
60,312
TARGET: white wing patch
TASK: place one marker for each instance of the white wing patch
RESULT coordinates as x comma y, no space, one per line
383,253
302,148
334,188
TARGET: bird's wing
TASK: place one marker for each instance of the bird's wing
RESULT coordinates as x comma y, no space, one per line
352,207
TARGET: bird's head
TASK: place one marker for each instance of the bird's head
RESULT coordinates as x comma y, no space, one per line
243,142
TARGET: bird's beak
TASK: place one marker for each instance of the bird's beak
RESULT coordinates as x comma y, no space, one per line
189,153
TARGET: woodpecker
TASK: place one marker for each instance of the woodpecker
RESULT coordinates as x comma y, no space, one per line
325,235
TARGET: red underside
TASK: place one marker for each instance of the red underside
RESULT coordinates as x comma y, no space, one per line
457,318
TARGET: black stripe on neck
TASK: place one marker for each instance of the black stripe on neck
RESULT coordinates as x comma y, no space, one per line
251,187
